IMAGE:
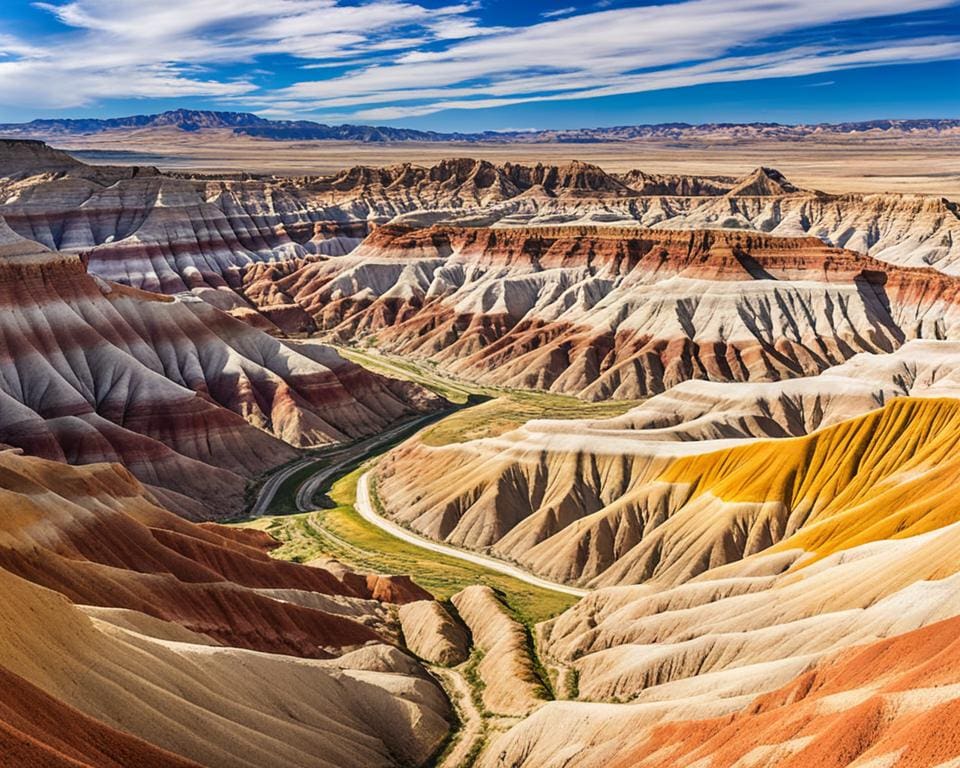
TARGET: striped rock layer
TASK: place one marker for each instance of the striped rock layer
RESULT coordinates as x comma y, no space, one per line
133,637
170,234
625,313
761,601
192,400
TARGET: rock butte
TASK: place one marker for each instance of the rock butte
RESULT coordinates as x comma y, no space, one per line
771,535
631,510
193,401
764,565
604,312
114,608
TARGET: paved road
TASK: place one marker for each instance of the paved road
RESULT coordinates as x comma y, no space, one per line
270,488
336,461
309,489
367,512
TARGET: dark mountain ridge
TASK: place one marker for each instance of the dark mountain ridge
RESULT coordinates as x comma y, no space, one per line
248,124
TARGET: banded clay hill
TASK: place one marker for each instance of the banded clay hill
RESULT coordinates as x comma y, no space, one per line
757,557
771,600
602,312
193,400
132,637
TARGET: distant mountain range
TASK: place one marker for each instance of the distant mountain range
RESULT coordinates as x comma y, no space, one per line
247,124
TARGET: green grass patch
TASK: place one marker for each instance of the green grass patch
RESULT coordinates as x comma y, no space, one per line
512,410
573,683
342,534
422,373
504,409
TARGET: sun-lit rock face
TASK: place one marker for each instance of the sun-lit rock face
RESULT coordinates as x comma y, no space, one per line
114,610
192,400
771,536
163,233
170,234
883,702
800,603
433,634
510,684
603,504
625,313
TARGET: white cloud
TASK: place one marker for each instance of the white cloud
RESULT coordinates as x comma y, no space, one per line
615,51
404,59
130,48
559,12
791,63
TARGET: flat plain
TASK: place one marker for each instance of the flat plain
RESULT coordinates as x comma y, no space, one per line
855,163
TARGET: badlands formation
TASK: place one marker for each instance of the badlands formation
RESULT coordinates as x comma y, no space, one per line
191,399
768,540
133,637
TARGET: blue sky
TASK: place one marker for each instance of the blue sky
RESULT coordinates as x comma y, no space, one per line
484,64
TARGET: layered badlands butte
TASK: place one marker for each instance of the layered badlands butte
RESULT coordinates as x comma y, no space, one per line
132,637
760,601
769,538
191,399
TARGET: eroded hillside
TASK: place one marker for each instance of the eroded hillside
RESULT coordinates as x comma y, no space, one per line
765,545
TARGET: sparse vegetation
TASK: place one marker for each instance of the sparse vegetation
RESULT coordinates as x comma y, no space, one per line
573,683
454,390
495,410
471,673
340,533
545,689
511,410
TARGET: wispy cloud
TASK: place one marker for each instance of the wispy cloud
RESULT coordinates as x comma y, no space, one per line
390,59
559,12
133,49
619,51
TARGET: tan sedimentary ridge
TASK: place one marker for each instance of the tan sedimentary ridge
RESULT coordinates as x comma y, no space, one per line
593,505
191,400
198,644
433,634
510,683
610,312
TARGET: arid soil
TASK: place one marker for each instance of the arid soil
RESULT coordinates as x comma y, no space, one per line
926,165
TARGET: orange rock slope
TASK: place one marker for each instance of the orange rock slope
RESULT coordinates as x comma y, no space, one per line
796,605
604,507
154,641
894,714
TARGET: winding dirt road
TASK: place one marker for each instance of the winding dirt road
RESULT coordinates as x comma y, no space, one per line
367,512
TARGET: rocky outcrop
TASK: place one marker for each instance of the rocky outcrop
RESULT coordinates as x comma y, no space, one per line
177,233
833,643
187,621
750,678
701,410
510,685
193,401
797,725
600,312
604,506
433,634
